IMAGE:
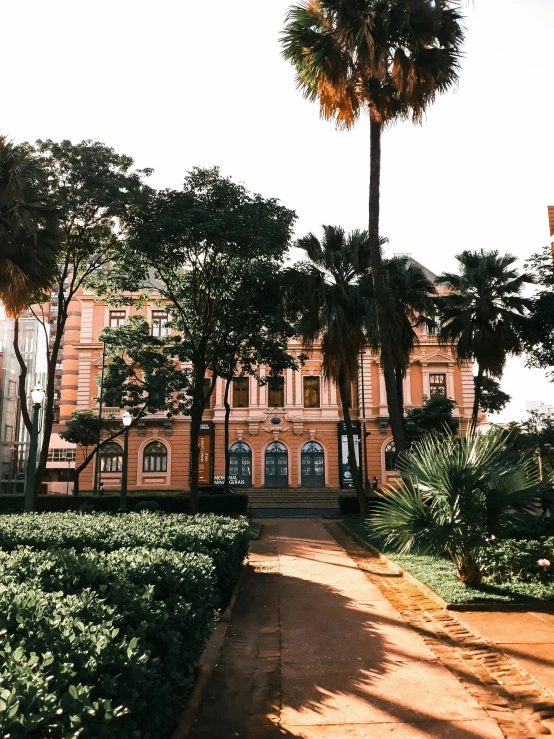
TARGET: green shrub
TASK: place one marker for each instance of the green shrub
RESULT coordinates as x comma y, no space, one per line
100,644
176,503
507,559
350,504
224,539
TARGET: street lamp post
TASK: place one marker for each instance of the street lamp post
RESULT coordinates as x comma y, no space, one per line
127,420
37,396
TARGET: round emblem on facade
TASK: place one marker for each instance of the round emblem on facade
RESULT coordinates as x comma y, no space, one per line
276,420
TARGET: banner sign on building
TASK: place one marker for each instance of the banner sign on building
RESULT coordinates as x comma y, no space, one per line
205,460
345,472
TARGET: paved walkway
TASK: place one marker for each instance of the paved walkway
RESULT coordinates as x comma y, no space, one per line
316,650
528,638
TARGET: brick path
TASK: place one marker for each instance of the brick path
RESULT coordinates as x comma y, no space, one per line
324,643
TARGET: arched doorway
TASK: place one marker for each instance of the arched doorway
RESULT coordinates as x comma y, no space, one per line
240,465
312,464
276,465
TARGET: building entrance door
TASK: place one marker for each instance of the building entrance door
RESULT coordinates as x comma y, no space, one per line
240,465
276,466
312,462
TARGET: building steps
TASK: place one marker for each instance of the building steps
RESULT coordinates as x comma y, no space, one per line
293,498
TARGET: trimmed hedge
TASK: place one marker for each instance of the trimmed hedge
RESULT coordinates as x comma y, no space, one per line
225,540
102,619
100,644
349,504
219,504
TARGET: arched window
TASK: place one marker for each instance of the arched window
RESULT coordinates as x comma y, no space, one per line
390,457
154,457
111,457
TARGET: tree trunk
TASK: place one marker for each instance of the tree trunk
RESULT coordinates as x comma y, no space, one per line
354,469
226,431
48,414
196,414
478,382
76,482
381,302
22,390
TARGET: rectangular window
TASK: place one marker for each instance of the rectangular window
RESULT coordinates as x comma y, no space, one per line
311,392
12,388
276,392
159,323
61,455
240,392
8,433
117,317
57,414
437,384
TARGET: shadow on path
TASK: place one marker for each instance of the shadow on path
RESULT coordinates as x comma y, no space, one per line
303,659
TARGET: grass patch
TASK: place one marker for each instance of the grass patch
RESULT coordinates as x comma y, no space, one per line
440,575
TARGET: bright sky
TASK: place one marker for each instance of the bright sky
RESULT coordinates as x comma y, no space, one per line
178,83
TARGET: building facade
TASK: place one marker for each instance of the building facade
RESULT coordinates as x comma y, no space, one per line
14,438
290,434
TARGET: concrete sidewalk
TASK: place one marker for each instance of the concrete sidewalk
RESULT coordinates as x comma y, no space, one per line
527,637
314,650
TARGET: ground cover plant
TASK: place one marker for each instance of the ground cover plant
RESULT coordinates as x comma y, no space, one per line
457,495
440,574
102,619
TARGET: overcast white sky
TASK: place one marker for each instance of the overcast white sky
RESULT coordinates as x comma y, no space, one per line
178,83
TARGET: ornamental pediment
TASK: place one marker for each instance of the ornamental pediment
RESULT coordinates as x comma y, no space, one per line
435,358
275,422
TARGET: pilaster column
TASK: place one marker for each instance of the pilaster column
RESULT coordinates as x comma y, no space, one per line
298,391
289,398
263,389
407,387
253,392
334,403
383,408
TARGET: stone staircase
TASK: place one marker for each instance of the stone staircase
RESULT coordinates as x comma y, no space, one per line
293,501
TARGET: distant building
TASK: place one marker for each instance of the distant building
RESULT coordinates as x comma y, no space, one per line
289,435
14,438
545,409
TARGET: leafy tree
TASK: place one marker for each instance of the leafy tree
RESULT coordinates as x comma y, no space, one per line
256,335
191,249
390,58
535,435
143,372
484,314
493,399
455,495
93,190
539,340
334,299
435,416
28,229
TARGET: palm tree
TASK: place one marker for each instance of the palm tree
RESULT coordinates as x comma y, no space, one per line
28,230
413,306
484,315
391,58
456,495
333,298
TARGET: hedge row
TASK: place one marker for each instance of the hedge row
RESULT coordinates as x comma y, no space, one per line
224,539
221,504
100,640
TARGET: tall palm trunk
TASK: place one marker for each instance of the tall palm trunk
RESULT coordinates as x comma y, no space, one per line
477,398
399,376
354,469
385,338
226,431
